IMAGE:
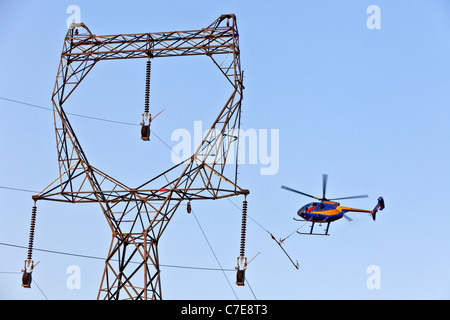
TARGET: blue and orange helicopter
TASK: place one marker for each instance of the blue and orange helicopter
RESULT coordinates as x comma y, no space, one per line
327,211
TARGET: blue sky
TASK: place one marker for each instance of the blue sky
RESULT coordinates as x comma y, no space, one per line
368,107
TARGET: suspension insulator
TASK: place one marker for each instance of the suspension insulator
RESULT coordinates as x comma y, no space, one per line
242,260
146,116
244,227
29,264
32,227
147,86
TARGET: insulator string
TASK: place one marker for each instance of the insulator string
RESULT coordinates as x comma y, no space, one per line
244,227
32,227
147,86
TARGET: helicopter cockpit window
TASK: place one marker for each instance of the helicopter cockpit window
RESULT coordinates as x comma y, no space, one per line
321,207
302,209
308,207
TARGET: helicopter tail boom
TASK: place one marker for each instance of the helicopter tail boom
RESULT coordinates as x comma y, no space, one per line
378,207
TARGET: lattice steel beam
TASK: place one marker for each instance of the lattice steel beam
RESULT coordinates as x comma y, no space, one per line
138,216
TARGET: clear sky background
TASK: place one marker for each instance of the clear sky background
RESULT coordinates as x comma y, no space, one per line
368,107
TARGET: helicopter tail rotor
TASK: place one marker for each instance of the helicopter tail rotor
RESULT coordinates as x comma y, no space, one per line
379,207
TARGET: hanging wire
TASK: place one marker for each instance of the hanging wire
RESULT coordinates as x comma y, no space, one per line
120,122
103,259
212,250
251,290
69,113
34,281
294,231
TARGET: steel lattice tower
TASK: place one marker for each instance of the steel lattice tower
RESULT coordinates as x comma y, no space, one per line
138,216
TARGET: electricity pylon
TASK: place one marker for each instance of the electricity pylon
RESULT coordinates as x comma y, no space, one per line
138,216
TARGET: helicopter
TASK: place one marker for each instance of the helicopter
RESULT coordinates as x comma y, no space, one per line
327,210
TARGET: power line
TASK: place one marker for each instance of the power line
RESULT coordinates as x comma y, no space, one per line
234,204
99,258
86,117
162,265
70,113
25,103
112,121
248,284
133,124
34,281
215,256
17,189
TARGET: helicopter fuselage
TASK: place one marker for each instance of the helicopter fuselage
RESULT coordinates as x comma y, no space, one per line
325,211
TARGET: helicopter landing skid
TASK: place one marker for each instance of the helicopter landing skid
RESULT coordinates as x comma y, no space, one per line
312,229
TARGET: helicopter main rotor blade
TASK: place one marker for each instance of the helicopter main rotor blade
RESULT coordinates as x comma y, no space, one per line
352,197
302,193
324,184
348,218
